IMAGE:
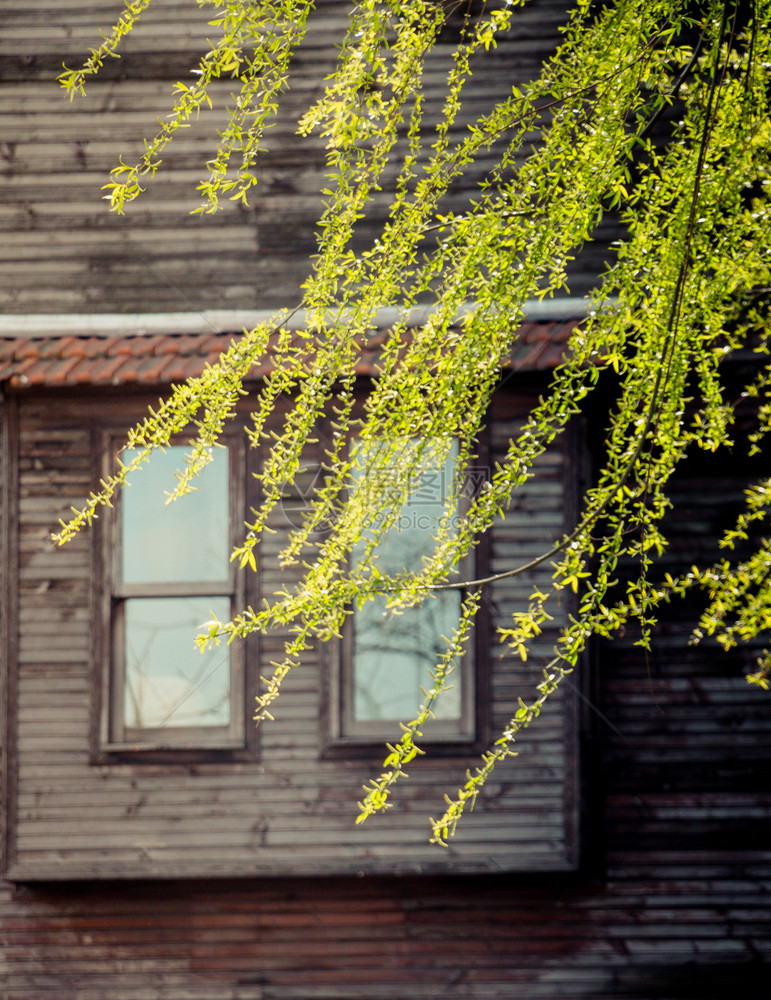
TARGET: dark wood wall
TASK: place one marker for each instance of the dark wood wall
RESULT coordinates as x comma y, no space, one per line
671,901
693,932
64,252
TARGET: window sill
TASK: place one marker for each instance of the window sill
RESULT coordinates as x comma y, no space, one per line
216,751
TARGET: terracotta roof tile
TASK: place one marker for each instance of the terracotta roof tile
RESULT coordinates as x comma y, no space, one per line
104,370
155,359
123,348
76,349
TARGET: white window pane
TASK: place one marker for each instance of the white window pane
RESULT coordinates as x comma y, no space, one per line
168,682
183,541
395,654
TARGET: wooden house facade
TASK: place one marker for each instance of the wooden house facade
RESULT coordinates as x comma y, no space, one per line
623,854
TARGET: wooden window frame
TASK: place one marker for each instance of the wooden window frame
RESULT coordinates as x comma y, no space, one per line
342,736
114,740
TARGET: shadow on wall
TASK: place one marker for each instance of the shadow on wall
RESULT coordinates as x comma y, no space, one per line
692,981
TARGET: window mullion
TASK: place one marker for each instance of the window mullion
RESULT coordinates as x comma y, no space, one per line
124,591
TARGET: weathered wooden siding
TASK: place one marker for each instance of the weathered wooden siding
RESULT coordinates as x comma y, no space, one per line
64,252
423,939
673,901
291,809
689,767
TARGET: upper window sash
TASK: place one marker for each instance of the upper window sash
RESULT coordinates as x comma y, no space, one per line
179,545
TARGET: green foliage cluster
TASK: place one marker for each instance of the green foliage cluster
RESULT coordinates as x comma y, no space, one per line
685,292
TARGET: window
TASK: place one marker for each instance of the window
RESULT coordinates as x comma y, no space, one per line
169,572
387,658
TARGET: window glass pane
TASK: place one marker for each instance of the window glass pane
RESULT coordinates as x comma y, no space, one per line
187,540
394,654
168,682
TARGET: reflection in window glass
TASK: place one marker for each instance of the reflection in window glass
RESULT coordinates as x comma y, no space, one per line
182,541
168,682
394,654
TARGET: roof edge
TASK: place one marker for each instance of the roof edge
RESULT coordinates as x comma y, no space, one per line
19,325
